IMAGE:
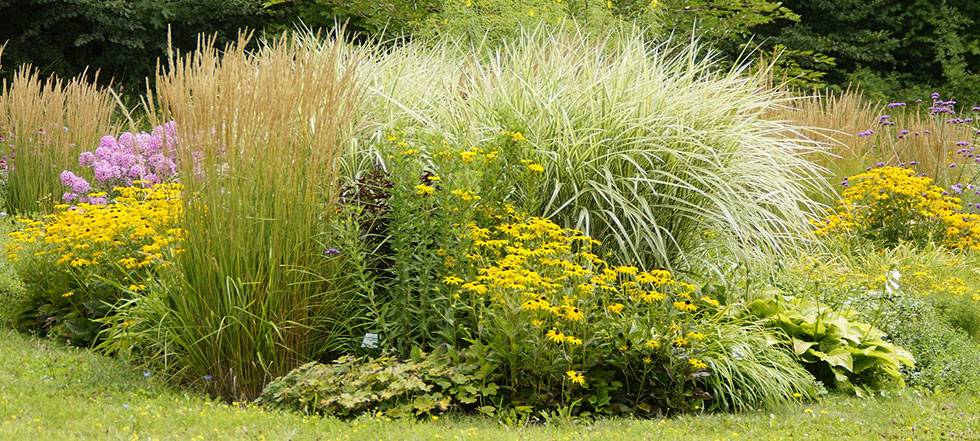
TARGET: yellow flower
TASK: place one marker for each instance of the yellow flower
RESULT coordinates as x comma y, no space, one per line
652,344
424,190
656,277
697,363
631,270
572,313
685,306
68,294
615,308
475,287
680,342
695,336
647,360
465,195
574,341
555,336
467,155
410,152
537,323
433,178
535,168
651,296
452,280
518,136
576,377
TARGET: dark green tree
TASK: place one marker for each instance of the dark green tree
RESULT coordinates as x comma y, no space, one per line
120,38
895,48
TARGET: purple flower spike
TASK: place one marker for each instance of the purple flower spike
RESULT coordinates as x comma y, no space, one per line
894,105
331,252
866,133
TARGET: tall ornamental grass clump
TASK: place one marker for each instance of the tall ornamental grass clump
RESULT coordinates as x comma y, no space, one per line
45,123
651,149
932,133
259,133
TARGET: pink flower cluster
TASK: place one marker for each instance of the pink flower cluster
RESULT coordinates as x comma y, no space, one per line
120,161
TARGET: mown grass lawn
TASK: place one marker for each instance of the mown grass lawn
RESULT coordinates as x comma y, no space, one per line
49,392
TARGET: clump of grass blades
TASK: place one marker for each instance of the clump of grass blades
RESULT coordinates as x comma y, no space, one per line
47,123
750,371
259,133
650,146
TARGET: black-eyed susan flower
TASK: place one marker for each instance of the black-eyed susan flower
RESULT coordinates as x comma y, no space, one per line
575,377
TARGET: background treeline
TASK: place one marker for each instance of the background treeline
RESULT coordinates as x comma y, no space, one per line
895,49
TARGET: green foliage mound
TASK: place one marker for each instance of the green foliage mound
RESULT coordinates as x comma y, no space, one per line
839,351
426,384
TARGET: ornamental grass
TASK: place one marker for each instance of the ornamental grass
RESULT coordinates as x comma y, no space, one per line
653,149
45,123
259,134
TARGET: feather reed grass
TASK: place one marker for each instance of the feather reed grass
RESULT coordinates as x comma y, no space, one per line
259,135
47,123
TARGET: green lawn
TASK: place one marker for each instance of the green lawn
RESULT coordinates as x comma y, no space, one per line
48,391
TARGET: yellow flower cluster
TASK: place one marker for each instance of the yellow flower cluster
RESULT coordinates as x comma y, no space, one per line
134,231
896,199
551,278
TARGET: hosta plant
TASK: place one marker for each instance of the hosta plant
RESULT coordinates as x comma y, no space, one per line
841,352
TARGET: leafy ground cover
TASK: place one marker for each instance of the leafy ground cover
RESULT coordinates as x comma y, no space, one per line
50,391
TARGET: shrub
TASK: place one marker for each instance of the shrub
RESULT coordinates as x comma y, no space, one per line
841,352
426,384
81,260
889,205
946,357
256,295
645,147
494,22
46,123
